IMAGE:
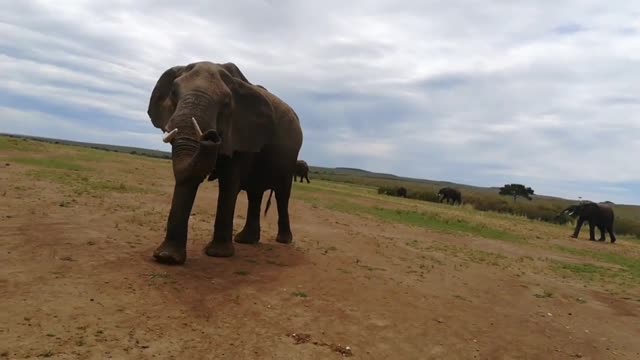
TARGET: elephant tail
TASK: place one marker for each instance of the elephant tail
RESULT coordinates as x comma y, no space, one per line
268,203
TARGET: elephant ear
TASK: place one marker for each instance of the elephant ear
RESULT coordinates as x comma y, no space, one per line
160,107
234,71
250,125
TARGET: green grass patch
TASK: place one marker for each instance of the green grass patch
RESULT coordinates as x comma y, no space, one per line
49,163
13,144
629,264
83,184
300,294
426,220
584,271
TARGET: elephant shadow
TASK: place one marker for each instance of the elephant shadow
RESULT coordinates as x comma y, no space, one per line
257,264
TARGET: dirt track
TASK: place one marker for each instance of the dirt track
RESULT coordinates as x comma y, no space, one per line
78,282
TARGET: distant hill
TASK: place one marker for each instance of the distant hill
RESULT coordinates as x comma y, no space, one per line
105,147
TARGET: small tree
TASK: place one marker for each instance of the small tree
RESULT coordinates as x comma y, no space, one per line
516,190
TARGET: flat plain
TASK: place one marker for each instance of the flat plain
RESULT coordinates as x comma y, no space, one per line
368,276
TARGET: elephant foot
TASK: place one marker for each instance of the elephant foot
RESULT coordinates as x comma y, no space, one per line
574,236
219,249
247,236
602,239
592,239
284,238
170,254
613,241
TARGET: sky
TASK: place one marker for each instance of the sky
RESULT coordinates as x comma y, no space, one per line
544,93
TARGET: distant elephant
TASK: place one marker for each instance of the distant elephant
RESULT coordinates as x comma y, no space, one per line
302,170
447,193
599,215
402,192
250,140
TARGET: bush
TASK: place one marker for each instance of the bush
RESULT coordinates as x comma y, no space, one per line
625,226
424,196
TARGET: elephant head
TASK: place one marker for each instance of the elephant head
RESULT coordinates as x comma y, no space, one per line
207,110
580,209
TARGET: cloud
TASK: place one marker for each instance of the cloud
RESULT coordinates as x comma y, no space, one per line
539,92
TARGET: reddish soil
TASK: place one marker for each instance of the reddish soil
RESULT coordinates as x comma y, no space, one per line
78,282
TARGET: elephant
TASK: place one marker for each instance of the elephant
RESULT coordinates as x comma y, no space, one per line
221,125
447,193
302,170
401,192
598,215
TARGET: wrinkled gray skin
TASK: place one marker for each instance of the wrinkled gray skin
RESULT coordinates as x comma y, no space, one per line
598,215
450,194
302,170
250,141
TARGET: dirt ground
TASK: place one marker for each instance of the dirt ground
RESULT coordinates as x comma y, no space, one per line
77,281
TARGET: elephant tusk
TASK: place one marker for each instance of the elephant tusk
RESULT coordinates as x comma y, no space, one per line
167,137
198,131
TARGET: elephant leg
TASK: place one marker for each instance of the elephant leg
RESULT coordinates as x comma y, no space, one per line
592,234
250,234
612,236
173,249
284,227
578,227
602,238
229,186
307,177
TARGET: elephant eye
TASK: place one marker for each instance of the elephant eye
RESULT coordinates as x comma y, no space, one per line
174,93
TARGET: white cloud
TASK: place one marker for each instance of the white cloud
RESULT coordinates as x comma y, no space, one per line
479,93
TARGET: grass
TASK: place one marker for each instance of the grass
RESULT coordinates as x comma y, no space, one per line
428,220
300,294
49,163
12,144
630,267
583,271
82,183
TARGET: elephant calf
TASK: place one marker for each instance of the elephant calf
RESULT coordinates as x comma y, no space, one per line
598,215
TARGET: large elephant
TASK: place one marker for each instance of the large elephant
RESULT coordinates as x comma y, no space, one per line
450,194
302,170
221,125
599,215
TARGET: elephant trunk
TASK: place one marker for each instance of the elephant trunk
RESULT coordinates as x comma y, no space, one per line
194,156
194,159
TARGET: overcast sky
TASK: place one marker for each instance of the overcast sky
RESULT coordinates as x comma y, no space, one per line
540,92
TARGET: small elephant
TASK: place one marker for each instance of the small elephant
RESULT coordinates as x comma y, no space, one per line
401,192
598,215
447,193
302,170
222,126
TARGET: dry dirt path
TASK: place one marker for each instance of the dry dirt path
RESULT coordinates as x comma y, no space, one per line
77,282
